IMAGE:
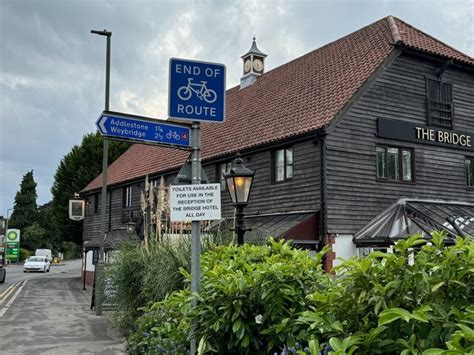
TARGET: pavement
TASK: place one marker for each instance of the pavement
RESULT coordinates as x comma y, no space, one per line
52,315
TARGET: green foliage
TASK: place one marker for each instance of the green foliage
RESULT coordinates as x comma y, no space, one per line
24,254
146,276
70,250
250,296
163,328
34,237
24,212
78,168
385,304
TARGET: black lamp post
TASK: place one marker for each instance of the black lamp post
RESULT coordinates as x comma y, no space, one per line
130,226
239,182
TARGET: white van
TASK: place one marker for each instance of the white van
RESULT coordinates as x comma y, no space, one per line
45,252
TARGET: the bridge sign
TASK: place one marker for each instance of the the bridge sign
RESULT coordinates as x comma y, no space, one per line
142,129
196,90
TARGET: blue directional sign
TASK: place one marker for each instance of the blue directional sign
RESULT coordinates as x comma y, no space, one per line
196,90
142,129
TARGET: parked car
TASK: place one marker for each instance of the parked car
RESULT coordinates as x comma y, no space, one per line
36,263
3,274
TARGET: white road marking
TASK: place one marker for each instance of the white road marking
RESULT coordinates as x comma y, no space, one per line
4,295
2,312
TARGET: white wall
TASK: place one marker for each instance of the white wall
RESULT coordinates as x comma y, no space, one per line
343,247
89,265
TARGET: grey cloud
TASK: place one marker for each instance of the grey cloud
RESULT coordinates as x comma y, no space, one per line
52,68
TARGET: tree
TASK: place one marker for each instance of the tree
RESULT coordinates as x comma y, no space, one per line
77,168
24,209
35,237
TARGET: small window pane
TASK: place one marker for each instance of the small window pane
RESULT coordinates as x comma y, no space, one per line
289,163
406,165
393,164
469,172
279,165
381,168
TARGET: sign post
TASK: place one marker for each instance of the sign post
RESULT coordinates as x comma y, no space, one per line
142,129
196,93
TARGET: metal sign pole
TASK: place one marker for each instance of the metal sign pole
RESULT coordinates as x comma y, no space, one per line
99,268
195,227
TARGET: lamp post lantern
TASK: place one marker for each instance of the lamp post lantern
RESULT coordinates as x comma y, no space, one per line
130,227
239,183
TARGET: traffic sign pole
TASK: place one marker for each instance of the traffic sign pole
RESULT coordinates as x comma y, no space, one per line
195,225
196,93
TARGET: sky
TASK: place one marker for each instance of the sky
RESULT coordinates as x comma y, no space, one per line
52,69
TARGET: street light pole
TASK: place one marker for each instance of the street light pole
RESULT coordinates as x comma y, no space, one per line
105,156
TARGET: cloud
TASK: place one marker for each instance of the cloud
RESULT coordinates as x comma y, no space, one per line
52,68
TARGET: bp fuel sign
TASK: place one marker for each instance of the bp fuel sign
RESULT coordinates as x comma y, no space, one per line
12,245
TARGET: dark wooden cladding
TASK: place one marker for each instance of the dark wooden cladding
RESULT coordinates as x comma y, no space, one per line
298,194
354,194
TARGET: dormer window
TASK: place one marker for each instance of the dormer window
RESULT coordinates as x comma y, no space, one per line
440,107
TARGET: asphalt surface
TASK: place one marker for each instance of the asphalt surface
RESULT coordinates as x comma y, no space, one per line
15,272
50,314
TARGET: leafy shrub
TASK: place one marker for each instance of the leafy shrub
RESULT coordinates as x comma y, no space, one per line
24,254
384,304
251,296
144,276
162,328
249,301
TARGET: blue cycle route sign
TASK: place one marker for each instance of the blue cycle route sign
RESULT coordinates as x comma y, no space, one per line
196,90
142,129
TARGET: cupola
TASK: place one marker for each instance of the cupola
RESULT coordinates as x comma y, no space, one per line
253,65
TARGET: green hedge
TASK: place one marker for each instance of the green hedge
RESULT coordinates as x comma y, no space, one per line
273,299
250,299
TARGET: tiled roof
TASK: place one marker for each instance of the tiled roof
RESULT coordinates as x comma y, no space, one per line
298,97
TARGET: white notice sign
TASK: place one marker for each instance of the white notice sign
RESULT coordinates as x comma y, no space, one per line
195,202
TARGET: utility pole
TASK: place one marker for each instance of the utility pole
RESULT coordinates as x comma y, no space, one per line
99,268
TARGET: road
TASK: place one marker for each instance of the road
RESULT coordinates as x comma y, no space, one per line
15,273
50,314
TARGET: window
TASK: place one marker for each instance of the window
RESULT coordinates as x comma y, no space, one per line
223,168
395,164
283,164
96,202
127,196
469,165
440,107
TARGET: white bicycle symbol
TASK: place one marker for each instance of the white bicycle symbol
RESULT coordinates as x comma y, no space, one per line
173,135
201,91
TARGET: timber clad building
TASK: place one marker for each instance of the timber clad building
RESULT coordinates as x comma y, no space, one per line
356,144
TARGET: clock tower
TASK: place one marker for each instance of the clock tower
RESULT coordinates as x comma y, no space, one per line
253,65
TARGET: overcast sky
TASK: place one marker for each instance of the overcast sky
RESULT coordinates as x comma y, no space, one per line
52,68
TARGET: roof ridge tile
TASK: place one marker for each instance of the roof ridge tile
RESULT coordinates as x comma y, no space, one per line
468,59
394,29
